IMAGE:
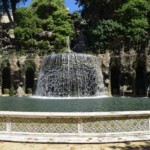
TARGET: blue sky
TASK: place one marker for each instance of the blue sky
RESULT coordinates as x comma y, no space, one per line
69,4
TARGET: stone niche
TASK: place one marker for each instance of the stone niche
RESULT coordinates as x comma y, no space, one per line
126,73
130,72
19,72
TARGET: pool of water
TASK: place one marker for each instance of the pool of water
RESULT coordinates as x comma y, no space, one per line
107,104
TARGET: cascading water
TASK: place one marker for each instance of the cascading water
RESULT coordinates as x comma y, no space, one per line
70,74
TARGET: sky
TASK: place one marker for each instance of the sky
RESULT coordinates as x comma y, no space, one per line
69,4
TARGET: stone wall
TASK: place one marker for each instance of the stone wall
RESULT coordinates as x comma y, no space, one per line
19,71
126,73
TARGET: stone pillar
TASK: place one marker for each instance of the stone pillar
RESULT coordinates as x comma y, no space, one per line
37,61
14,67
22,60
0,75
106,71
1,36
147,56
128,74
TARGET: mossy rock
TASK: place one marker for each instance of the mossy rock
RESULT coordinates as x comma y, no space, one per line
29,91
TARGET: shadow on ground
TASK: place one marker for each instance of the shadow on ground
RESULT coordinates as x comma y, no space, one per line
132,146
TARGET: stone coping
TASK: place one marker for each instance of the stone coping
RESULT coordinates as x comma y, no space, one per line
73,114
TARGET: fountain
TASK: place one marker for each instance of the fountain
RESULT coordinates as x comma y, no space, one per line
70,74
81,115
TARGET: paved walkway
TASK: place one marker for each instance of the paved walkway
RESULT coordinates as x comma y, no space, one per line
145,145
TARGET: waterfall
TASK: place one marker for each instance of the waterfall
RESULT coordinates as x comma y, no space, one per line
70,74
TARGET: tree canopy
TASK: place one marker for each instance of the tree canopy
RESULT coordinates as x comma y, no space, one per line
110,21
133,16
107,23
44,25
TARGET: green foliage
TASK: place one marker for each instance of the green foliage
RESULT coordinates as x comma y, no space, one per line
29,64
105,33
108,23
12,91
44,15
133,9
136,30
29,91
125,20
5,62
133,16
43,44
76,17
92,10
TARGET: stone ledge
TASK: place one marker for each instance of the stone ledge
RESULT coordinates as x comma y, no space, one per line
73,114
101,138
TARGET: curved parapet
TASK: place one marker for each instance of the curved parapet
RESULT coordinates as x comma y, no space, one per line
88,127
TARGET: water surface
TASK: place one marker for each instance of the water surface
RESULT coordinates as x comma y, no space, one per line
107,104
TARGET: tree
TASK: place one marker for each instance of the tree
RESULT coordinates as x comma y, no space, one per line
44,25
5,6
93,10
77,19
105,34
133,16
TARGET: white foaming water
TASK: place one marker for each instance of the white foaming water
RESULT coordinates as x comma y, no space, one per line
67,98
70,75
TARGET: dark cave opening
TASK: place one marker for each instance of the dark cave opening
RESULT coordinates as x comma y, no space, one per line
6,79
29,80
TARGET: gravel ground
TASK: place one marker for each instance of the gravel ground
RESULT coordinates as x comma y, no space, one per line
144,145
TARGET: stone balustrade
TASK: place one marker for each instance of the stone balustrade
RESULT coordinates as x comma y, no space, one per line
93,127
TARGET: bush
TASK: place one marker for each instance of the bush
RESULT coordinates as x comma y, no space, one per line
12,92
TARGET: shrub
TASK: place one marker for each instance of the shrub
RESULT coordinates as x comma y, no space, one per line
12,92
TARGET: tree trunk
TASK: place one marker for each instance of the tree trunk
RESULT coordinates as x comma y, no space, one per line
13,7
5,5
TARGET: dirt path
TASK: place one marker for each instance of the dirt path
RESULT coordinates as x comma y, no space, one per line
145,145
